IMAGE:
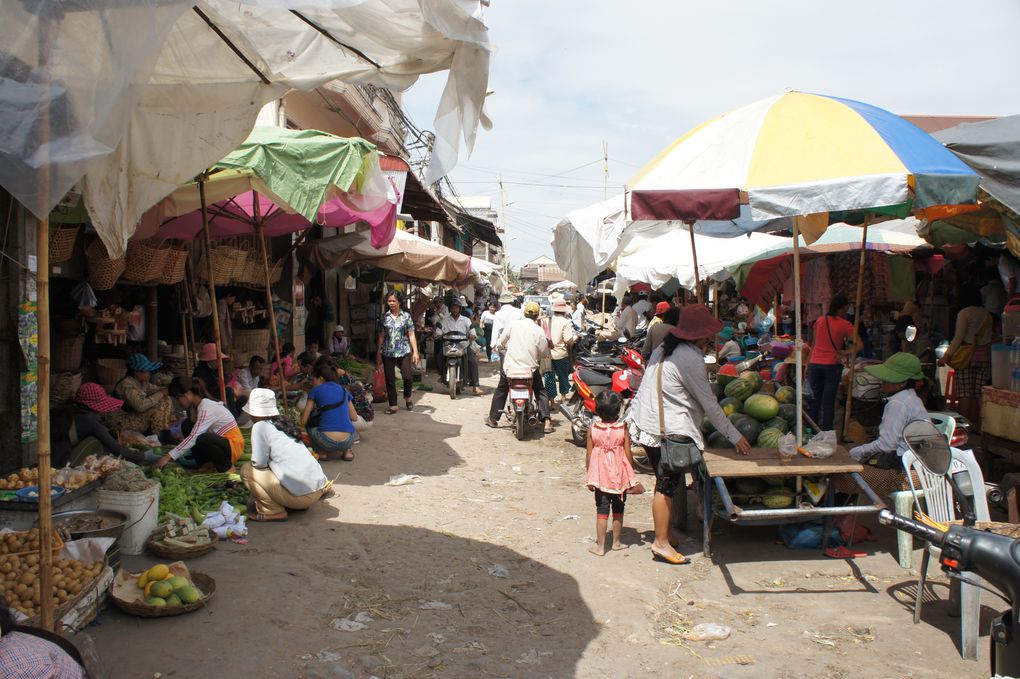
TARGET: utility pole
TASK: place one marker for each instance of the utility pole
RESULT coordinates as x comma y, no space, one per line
605,170
506,236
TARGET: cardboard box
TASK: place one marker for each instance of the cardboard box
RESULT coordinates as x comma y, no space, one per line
1000,413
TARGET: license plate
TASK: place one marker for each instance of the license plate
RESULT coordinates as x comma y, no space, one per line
519,393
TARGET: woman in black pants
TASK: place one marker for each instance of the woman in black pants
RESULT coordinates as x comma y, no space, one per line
214,437
397,347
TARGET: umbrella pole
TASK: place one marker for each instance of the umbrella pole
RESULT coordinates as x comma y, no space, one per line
715,297
857,326
694,254
261,229
798,344
212,288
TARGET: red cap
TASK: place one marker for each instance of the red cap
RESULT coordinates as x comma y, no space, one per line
661,308
94,397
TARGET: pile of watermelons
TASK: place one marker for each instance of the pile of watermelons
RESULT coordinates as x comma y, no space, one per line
760,410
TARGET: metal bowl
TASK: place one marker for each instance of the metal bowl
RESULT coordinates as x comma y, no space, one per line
113,531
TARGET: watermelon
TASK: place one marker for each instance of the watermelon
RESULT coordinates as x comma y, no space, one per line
778,423
788,411
726,374
761,407
717,391
753,378
739,389
718,440
737,417
775,481
731,405
786,395
706,425
748,428
769,438
749,486
769,387
778,498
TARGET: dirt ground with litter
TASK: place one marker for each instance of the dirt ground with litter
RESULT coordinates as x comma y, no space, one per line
483,570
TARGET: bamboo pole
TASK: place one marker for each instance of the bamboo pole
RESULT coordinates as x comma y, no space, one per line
42,287
261,229
715,297
212,288
798,343
694,254
857,326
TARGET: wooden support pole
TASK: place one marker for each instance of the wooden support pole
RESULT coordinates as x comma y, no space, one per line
212,288
152,322
857,327
715,297
42,287
261,230
797,332
694,254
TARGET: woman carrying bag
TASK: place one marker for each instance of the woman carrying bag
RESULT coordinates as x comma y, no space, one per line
666,416
969,353
398,347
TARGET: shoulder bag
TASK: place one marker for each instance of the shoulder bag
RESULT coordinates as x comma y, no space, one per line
315,417
678,453
965,352
841,352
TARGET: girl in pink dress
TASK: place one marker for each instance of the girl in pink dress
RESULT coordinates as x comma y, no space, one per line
610,469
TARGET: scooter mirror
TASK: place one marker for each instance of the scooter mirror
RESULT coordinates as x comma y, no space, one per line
910,333
929,445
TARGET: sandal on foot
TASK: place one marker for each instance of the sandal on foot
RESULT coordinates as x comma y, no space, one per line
348,456
676,559
408,404
489,422
548,429
391,410
267,517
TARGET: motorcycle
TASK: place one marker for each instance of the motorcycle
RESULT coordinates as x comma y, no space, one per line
964,549
594,374
521,407
455,348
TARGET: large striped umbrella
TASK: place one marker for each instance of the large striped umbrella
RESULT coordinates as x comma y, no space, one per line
804,156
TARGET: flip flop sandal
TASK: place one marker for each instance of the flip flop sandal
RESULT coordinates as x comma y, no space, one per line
491,423
548,429
677,560
408,405
348,456
391,410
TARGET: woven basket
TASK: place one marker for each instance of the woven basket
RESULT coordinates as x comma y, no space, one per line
253,272
145,261
103,271
225,264
204,583
109,371
250,341
175,553
67,351
275,272
173,270
63,387
177,365
62,240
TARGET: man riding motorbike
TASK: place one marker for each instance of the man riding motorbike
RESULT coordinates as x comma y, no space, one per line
455,322
525,345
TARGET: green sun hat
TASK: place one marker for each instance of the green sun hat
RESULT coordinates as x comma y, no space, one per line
900,367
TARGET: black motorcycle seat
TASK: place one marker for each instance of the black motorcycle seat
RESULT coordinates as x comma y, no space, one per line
601,360
594,379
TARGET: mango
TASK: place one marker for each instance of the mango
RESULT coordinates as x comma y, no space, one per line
189,594
148,587
159,572
143,580
155,601
173,600
178,581
161,589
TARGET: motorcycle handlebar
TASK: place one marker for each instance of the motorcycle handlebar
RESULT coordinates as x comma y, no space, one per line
915,528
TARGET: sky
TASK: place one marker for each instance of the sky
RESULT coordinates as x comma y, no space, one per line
570,75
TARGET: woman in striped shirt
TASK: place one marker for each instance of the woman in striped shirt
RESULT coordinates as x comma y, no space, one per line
214,438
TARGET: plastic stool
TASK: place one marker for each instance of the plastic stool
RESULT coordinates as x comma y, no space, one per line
903,502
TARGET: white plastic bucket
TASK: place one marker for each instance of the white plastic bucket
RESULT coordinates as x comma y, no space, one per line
142,510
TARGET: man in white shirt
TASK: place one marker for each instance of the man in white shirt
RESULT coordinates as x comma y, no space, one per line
898,375
526,345
506,315
249,378
641,309
627,322
577,318
455,322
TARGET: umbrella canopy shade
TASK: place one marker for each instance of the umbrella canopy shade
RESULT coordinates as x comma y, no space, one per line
588,240
760,277
562,285
132,99
489,273
799,154
406,254
992,148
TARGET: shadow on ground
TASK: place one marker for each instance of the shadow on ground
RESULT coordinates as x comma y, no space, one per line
433,609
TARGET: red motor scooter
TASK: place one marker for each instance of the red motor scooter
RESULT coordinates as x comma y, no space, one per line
593,375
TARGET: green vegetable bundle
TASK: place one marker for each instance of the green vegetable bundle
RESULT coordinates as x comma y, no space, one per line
187,494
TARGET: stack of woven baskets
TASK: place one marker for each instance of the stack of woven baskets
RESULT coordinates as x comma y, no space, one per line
155,262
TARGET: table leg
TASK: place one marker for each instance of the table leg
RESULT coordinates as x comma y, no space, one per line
706,524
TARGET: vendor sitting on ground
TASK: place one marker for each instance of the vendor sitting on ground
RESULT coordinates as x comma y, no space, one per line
333,434
208,372
360,397
282,474
729,346
147,407
339,345
883,469
91,402
213,437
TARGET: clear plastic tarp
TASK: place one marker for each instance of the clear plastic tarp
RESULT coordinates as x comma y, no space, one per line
128,99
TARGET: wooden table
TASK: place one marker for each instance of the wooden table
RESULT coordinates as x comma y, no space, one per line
726,463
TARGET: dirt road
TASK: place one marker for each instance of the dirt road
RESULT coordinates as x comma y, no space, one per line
483,570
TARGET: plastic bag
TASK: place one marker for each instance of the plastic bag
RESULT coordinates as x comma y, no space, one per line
822,445
788,447
708,631
84,295
808,535
379,384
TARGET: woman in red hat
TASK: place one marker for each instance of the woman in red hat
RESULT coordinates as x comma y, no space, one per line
676,410
91,403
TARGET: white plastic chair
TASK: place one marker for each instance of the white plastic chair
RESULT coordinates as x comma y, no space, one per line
938,499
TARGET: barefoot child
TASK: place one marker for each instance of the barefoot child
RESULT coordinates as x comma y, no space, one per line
610,468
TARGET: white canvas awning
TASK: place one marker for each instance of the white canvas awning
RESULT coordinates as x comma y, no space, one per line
131,99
